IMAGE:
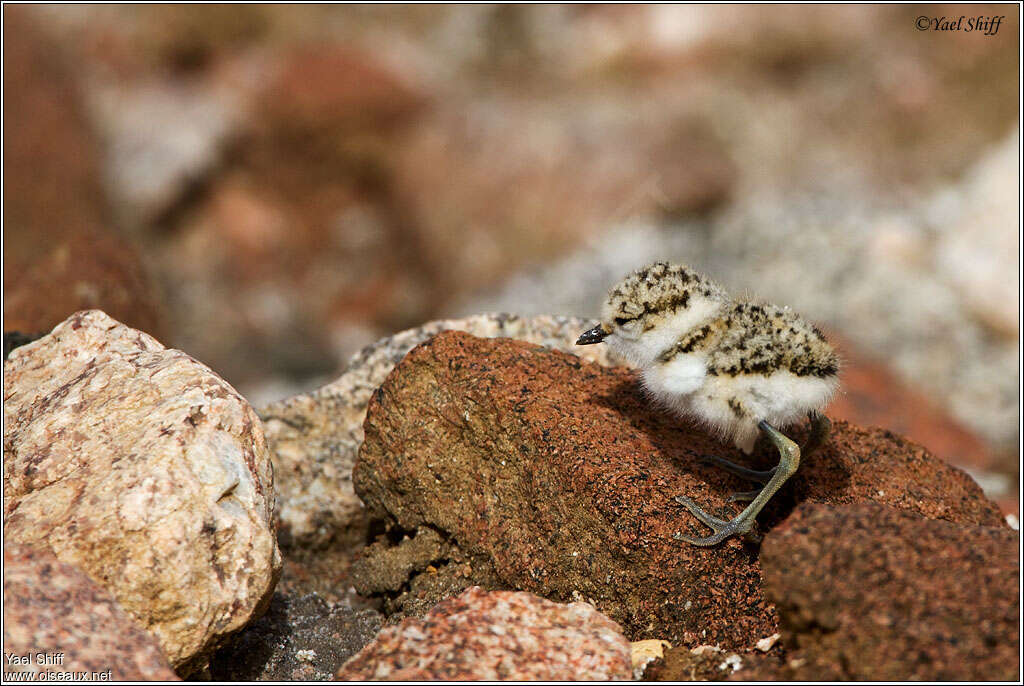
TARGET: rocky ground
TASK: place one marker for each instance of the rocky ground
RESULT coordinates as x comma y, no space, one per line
505,512
271,190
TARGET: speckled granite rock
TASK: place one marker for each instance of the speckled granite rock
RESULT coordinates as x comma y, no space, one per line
486,636
16,339
53,608
298,639
314,438
556,476
869,593
146,470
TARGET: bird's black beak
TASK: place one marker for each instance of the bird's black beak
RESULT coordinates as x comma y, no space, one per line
595,335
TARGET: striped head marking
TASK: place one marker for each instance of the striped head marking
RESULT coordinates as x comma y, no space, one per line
652,296
650,309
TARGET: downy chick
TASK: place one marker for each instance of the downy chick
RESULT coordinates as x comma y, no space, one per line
739,368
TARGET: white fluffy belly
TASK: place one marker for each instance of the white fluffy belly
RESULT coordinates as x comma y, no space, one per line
732,406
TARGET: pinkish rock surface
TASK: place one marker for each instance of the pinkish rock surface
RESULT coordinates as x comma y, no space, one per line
546,473
53,608
498,635
146,470
869,593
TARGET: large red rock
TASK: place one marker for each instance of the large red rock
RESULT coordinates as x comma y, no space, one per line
545,473
54,609
483,636
868,593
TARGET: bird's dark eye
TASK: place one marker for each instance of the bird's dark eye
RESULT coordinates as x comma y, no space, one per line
621,321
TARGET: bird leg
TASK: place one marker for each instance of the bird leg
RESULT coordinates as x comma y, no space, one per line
820,428
758,476
743,496
789,461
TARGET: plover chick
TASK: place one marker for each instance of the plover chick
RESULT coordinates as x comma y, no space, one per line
740,368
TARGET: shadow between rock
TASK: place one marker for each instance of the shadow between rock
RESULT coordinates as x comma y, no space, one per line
662,428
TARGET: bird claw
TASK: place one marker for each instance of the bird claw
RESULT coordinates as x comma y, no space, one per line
722,529
741,524
713,539
710,520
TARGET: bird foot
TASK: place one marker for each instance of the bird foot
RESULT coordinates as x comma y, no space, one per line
738,526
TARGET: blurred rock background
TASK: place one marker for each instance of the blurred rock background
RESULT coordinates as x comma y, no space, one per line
272,188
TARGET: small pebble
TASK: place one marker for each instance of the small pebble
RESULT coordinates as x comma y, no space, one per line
643,653
733,661
700,650
767,643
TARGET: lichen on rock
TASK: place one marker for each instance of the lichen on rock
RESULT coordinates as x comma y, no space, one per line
146,470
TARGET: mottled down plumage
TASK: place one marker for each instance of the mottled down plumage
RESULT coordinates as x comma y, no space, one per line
726,363
741,368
